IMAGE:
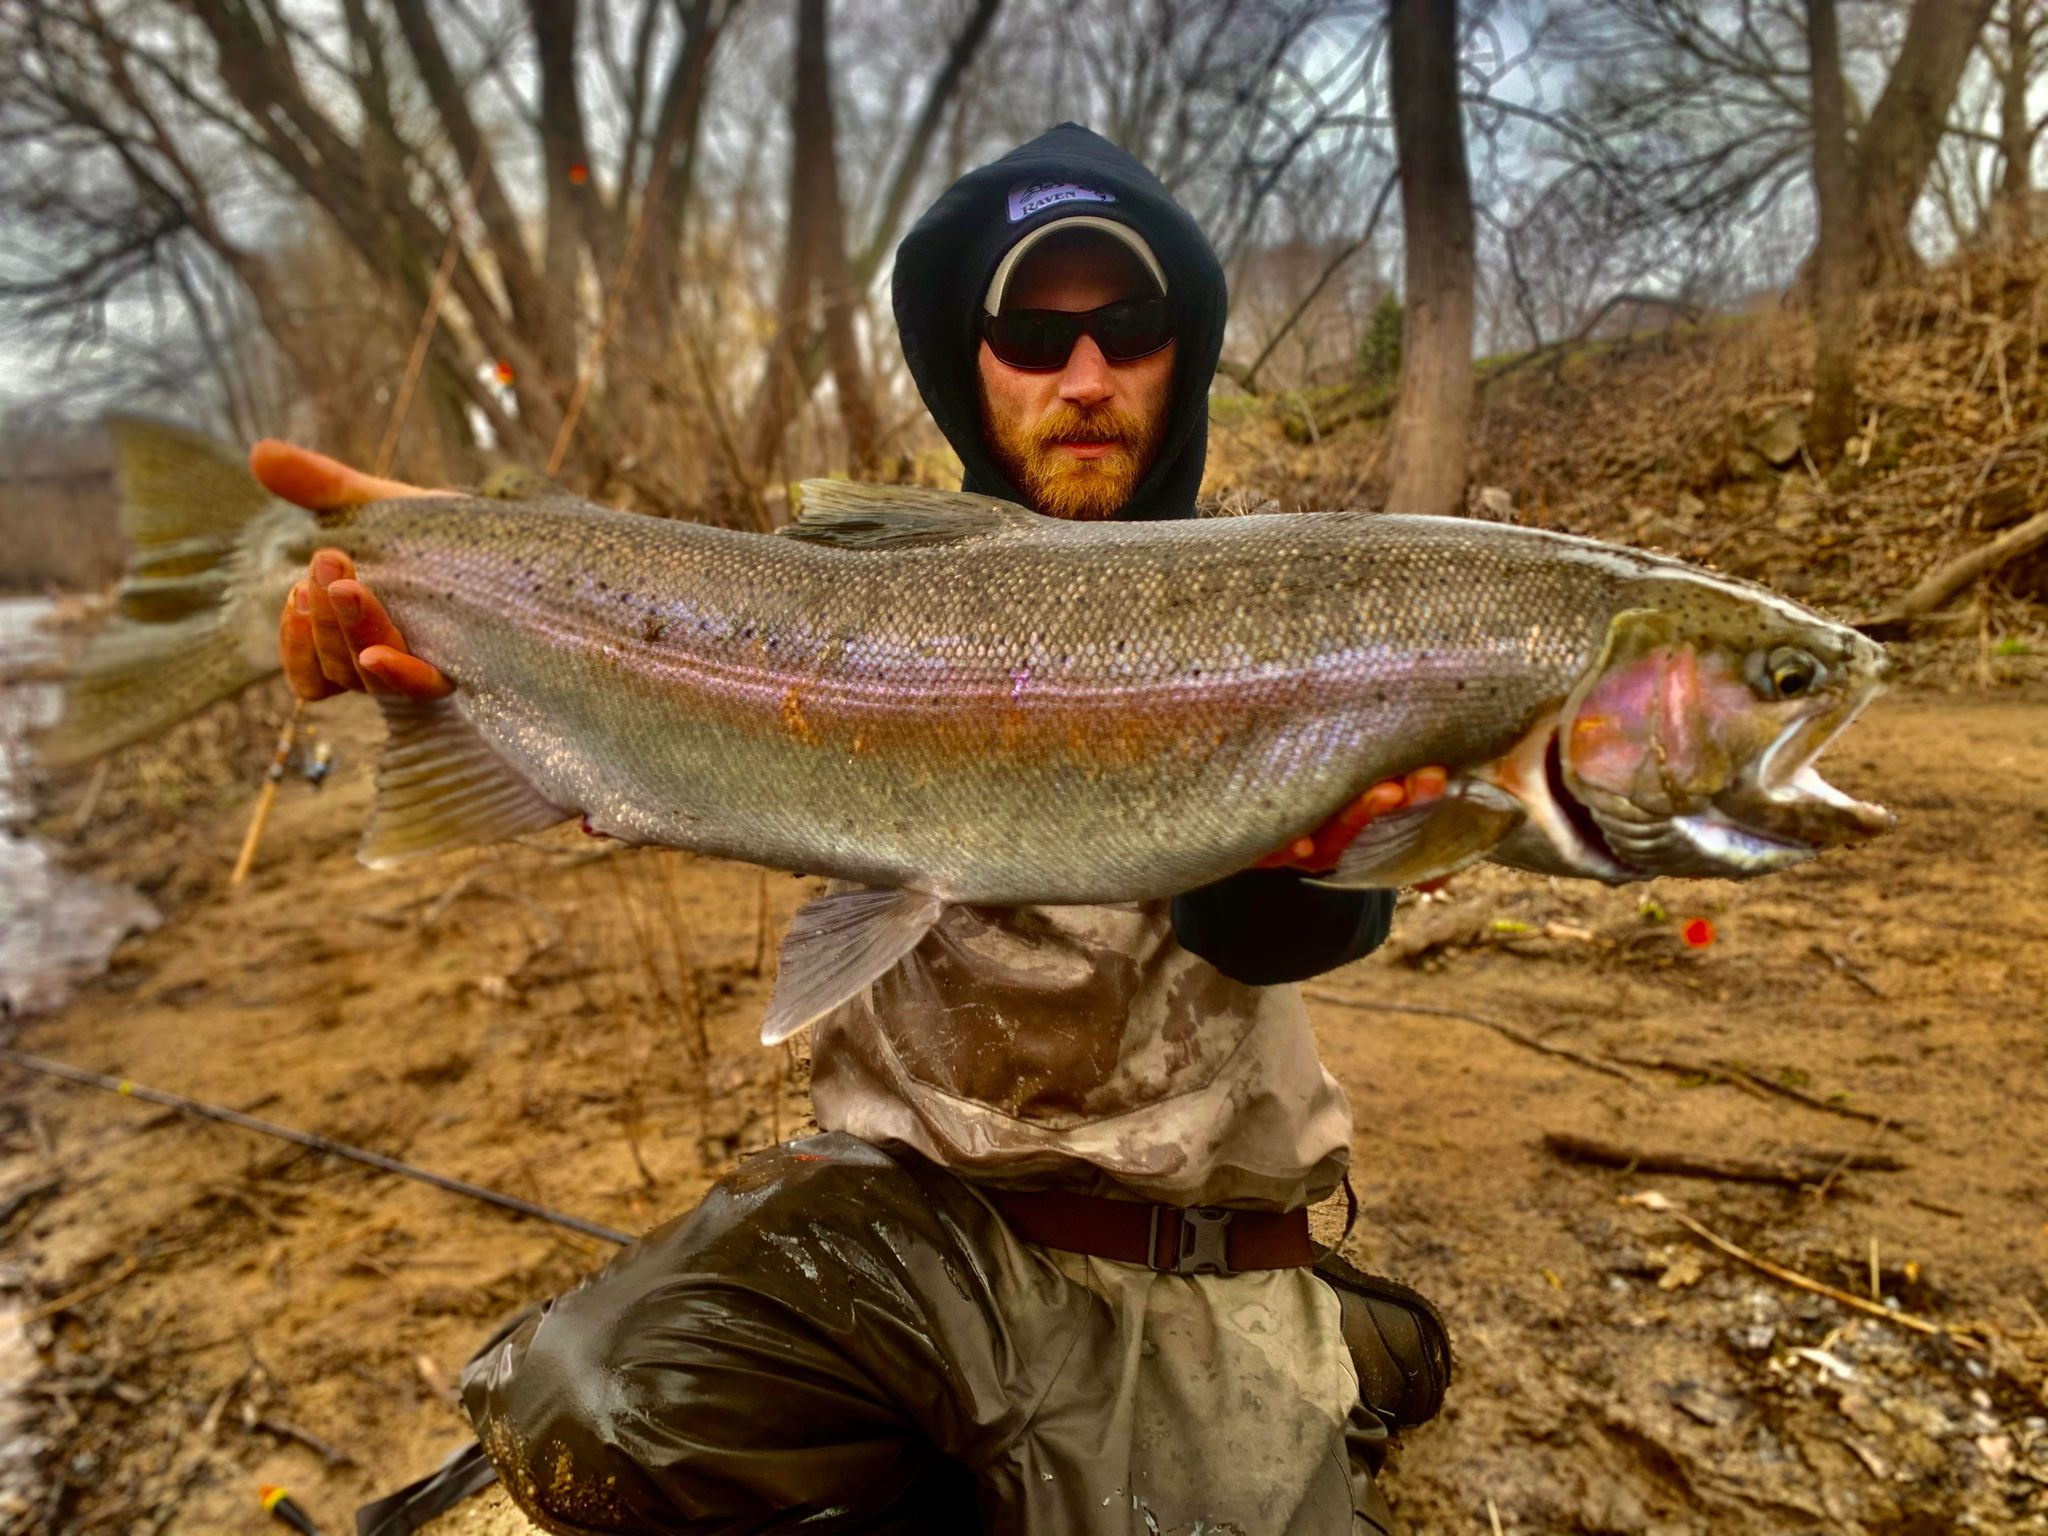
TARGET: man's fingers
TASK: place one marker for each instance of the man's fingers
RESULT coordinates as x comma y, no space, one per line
318,483
295,647
363,621
337,661
388,670
1387,795
1425,784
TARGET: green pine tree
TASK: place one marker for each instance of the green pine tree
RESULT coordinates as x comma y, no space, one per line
1379,351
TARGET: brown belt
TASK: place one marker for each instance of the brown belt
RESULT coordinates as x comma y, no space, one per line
1179,1240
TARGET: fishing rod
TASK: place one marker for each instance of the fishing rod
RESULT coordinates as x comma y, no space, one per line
129,1089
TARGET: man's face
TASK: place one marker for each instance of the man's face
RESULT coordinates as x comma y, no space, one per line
1077,440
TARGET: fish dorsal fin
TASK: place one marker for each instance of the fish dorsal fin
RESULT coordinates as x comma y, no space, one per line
837,946
855,516
441,786
1430,840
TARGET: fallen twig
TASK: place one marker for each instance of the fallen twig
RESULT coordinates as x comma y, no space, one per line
1650,1200
1957,574
1740,1170
1847,967
1750,1082
1505,1031
1937,1207
318,1143
278,1429
85,1292
20,1199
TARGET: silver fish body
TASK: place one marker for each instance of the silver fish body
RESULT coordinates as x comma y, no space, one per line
1035,712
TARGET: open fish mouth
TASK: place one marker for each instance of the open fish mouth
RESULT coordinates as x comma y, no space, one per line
1778,812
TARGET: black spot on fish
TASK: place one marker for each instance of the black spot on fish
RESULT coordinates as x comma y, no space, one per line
652,629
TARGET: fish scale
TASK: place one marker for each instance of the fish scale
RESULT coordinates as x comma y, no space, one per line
1045,712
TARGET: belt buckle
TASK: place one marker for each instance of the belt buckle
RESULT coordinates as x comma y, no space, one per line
1201,1241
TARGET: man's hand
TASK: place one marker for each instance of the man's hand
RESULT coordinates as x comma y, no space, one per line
333,635
1318,851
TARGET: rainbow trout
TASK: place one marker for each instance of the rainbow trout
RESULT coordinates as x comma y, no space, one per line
945,698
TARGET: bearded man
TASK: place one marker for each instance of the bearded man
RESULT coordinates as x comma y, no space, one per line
1048,1268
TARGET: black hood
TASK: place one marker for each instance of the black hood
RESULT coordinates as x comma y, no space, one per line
944,265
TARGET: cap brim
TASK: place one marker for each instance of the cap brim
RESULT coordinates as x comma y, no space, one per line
1122,233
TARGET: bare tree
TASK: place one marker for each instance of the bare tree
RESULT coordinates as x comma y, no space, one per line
818,272
1704,102
1432,419
2002,204
2016,57
1896,147
1833,414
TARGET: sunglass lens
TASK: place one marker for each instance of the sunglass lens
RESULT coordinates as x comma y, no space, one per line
1134,329
1032,338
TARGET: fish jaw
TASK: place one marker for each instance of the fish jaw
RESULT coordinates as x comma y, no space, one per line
1689,758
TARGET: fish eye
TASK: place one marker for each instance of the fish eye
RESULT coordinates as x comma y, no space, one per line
1790,672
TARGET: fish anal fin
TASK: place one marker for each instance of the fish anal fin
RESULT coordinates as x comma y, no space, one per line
837,946
1429,840
849,515
441,786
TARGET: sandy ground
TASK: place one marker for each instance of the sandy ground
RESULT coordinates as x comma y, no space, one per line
574,1024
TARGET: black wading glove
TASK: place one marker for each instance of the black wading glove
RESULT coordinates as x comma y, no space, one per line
1264,927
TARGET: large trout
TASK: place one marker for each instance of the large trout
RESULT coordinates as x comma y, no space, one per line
946,698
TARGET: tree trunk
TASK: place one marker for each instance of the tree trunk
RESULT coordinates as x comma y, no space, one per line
815,264
2012,211
1833,416
1433,417
1898,143
818,173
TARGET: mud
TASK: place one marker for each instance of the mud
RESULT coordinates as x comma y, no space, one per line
575,1024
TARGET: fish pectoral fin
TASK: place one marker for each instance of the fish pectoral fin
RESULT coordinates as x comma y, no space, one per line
837,946
855,516
1430,840
440,785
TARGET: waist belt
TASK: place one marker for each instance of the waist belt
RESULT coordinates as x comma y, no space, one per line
1175,1240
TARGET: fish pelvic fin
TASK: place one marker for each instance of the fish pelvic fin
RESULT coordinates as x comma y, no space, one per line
838,946
1428,841
441,786
850,515
211,557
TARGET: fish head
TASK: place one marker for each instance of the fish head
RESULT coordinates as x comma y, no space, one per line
1689,746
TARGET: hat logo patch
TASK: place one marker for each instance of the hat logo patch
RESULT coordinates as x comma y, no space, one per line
1029,197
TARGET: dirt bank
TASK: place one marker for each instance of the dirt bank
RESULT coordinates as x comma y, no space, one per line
575,1024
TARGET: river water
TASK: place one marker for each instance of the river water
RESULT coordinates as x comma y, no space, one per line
56,926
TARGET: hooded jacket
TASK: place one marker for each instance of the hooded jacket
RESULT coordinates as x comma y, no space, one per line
1261,927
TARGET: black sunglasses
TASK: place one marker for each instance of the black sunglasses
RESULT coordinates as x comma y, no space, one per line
1040,340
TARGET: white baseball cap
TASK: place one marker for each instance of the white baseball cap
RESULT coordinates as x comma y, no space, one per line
1122,233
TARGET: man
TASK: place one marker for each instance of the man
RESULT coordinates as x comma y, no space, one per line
1049,1268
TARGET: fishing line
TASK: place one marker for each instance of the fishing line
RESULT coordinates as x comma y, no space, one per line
129,1089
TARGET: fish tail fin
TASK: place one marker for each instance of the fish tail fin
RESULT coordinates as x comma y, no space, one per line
211,557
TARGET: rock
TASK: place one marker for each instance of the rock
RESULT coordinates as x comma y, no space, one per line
1493,501
1782,437
1747,464
1752,1338
1865,1414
